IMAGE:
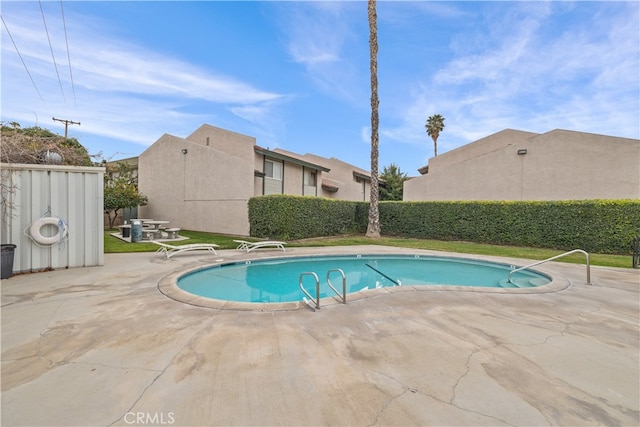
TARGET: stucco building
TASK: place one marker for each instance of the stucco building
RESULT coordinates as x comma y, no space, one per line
204,181
341,180
517,165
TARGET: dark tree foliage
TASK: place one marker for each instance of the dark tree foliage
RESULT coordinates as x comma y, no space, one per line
120,190
394,180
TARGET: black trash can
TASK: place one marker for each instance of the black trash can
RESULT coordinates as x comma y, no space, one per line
635,249
6,269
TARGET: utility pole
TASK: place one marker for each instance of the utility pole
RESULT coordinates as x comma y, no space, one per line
66,124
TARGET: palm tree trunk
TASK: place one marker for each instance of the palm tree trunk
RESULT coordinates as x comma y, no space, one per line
373,229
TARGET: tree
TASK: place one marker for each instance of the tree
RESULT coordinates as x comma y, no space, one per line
120,190
394,179
435,125
373,229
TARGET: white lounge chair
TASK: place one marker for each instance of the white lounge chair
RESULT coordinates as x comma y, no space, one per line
249,246
171,250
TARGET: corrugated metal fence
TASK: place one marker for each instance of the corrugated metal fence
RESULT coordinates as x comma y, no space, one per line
73,194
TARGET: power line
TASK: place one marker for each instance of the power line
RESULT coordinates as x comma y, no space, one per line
64,23
52,55
21,59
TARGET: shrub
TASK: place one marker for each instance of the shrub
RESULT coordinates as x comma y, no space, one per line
297,217
599,226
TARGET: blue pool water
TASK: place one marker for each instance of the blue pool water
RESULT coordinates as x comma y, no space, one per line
277,280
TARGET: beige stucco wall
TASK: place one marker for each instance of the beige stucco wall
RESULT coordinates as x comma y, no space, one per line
292,177
230,142
208,187
203,190
559,165
258,182
350,188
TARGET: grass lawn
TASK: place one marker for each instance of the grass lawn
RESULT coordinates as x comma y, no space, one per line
115,245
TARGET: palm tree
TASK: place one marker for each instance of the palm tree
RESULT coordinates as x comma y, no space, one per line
435,125
373,229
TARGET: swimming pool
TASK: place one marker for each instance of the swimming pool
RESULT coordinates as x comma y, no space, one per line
277,280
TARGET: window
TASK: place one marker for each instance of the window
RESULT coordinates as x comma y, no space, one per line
273,169
310,178
273,173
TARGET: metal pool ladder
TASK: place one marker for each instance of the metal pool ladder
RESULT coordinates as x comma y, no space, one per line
316,300
556,257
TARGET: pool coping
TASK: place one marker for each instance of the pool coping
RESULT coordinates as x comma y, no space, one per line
168,286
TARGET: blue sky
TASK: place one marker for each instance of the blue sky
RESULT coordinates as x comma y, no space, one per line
295,74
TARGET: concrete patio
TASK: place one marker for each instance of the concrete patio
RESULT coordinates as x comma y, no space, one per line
103,346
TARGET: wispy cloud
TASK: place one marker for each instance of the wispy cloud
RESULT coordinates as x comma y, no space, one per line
122,68
534,74
112,76
308,40
320,37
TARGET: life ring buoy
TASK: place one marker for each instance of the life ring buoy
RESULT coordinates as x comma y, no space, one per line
37,225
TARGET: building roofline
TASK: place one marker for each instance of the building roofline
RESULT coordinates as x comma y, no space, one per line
128,160
280,156
361,175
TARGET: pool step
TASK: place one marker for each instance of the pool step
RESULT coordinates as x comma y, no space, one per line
524,282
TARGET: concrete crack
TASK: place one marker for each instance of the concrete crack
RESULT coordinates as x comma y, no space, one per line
386,405
464,375
161,372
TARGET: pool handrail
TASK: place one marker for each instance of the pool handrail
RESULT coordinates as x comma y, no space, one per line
395,282
344,284
551,259
316,300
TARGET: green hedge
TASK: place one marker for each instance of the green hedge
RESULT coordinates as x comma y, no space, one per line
599,226
296,217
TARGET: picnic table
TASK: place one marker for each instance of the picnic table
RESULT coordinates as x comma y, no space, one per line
151,228
155,223
150,233
142,220
158,227
155,229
